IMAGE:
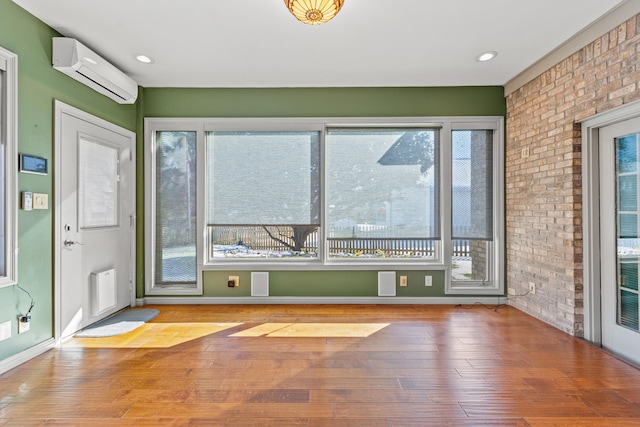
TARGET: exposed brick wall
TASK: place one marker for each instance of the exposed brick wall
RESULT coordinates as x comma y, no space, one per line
544,190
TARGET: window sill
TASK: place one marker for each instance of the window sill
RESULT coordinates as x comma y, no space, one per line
473,288
178,289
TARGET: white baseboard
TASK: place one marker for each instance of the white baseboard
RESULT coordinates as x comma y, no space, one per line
24,356
320,300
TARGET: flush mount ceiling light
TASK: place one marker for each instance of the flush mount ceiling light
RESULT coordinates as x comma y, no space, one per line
314,12
486,56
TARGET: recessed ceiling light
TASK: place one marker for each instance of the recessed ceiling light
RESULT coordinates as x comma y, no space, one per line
486,56
144,58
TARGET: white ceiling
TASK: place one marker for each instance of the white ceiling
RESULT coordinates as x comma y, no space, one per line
258,43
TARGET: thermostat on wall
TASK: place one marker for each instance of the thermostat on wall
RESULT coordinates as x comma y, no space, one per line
32,164
27,200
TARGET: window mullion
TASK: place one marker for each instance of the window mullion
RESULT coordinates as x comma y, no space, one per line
323,243
201,203
445,196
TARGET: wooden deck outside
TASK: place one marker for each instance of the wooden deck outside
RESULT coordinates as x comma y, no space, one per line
326,365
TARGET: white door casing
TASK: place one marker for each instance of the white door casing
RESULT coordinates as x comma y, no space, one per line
94,227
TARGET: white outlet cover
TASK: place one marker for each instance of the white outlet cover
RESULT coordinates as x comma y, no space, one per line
23,327
5,330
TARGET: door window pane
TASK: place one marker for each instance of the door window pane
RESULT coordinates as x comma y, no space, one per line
175,207
629,309
97,184
628,251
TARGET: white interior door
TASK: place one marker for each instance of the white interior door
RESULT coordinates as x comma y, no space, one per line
620,237
95,219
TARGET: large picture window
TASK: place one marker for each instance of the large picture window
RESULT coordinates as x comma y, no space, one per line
260,194
382,191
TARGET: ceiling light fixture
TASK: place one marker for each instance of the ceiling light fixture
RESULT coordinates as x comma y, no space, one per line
314,12
486,56
144,58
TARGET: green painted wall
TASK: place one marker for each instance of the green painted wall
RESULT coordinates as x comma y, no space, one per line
38,86
319,102
360,283
325,102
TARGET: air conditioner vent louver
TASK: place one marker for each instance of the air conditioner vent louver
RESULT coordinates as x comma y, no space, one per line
82,64
102,86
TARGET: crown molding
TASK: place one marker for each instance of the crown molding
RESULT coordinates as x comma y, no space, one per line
603,25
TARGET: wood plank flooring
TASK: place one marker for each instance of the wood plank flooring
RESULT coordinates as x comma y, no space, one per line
326,365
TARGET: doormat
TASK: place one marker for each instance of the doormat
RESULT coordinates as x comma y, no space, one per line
120,323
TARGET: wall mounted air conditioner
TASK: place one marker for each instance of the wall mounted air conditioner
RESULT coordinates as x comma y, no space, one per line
81,63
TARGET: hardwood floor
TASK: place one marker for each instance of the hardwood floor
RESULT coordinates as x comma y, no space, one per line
326,365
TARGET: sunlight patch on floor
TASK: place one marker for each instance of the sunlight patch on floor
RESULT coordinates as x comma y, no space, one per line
154,335
316,330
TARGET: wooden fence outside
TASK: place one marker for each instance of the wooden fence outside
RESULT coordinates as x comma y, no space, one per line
256,238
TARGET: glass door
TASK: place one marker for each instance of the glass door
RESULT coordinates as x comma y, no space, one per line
620,237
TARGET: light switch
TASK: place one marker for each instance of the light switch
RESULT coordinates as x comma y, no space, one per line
40,201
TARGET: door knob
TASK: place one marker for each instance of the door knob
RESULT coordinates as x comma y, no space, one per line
68,243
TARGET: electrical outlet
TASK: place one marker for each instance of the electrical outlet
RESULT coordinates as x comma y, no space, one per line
428,280
525,153
5,330
532,288
403,280
24,324
234,281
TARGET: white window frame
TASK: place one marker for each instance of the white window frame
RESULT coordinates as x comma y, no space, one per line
442,260
264,125
151,126
495,264
435,263
9,137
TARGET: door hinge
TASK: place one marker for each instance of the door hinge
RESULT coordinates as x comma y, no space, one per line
132,220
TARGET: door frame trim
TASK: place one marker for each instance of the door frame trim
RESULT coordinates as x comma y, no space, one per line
591,213
61,108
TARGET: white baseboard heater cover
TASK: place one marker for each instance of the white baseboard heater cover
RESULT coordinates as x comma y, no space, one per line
386,283
103,290
259,284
